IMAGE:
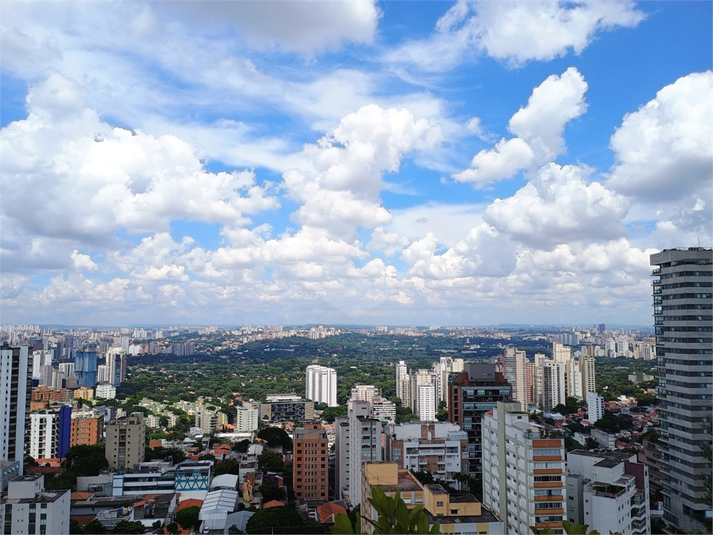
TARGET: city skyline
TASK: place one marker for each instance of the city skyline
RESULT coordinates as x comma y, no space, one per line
364,163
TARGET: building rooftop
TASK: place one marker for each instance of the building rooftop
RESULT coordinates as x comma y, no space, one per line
435,488
463,498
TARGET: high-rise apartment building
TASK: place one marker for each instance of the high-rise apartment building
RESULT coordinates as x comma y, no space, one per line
419,378
472,393
247,418
29,509
683,311
87,427
311,462
403,383
595,407
587,366
358,440
44,434
608,491
86,366
523,471
427,403
554,385
515,366
321,385
125,438
15,392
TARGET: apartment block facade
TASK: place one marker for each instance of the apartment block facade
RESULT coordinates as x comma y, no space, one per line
311,462
125,439
523,471
683,314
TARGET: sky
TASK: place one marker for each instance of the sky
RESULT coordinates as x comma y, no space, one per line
425,163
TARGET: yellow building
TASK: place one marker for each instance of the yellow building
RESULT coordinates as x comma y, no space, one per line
458,513
84,392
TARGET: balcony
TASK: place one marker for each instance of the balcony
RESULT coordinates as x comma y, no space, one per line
656,271
608,491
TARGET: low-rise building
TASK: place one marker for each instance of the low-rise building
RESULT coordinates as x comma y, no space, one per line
459,514
27,509
440,448
608,491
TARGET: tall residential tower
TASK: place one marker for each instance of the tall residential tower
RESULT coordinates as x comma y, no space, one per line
683,311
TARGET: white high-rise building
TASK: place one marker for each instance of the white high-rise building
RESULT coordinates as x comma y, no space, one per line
574,379
15,382
247,418
561,352
554,390
595,406
608,491
365,393
66,368
39,359
427,403
515,364
402,383
523,471
420,377
587,365
321,385
360,443
44,434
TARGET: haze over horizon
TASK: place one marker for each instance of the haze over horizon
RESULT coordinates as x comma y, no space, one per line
400,163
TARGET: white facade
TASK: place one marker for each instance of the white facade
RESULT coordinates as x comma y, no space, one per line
39,359
439,447
321,385
403,383
523,471
14,401
610,492
383,409
574,379
365,393
418,378
427,403
361,442
106,390
34,510
554,390
515,364
595,406
588,368
247,418
44,435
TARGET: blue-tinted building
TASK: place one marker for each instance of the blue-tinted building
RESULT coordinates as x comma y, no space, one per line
65,431
86,366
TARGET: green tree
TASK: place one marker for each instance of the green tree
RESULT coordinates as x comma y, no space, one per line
176,455
173,528
94,528
270,493
275,520
394,517
227,466
157,526
87,460
128,527
75,527
404,414
330,413
425,477
188,517
274,436
270,461
242,446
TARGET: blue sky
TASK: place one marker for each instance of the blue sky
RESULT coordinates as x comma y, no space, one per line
349,162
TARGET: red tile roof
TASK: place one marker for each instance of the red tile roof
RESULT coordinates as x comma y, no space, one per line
273,503
188,503
327,511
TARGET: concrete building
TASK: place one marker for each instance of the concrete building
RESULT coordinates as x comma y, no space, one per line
310,465
440,448
106,391
554,386
27,509
384,410
459,514
608,491
206,421
125,441
44,434
365,393
403,383
523,471
15,392
247,418
419,378
683,312
321,385
286,408
358,439
426,403
87,427
515,366
471,394
588,369
595,407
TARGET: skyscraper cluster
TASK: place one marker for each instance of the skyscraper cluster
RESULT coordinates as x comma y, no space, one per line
424,390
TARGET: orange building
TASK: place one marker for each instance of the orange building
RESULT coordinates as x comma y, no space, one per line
87,428
310,471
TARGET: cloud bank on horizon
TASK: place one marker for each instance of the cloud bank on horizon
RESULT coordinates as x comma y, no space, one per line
404,163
